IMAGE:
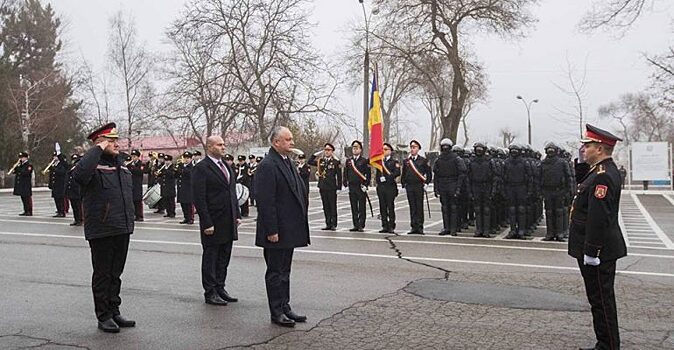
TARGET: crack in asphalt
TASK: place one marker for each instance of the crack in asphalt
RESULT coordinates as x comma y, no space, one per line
45,341
399,253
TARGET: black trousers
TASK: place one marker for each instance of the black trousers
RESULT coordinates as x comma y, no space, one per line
245,209
450,212
188,211
358,202
599,281
277,279
387,196
138,209
169,203
329,199
76,204
415,198
482,204
214,263
554,214
108,256
60,205
27,202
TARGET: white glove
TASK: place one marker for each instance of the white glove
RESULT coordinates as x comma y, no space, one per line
425,186
339,191
592,261
318,153
363,188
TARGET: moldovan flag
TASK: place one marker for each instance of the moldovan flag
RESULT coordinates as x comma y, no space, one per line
376,126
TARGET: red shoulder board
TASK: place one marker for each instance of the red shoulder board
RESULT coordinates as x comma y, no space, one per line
600,191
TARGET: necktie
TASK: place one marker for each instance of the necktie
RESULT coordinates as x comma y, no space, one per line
224,171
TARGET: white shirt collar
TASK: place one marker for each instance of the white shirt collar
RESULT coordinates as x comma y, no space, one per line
215,160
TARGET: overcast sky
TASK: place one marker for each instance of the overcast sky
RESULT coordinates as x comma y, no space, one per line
529,67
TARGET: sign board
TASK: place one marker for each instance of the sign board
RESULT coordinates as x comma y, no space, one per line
258,151
650,161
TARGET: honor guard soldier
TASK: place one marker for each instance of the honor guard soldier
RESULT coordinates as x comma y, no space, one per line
136,167
229,159
449,175
555,175
196,157
387,189
357,176
74,192
151,167
329,175
58,168
595,239
167,179
184,178
243,177
482,180
160,165
23,187
304,170
252,168
416,174
517,182
108,222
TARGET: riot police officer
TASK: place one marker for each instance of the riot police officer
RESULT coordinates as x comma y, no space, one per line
482,179
184,182
517,182
555,186
329,174
416,175
137,169
387,189
449,174
357,178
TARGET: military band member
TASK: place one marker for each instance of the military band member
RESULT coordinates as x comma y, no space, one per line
136,167
167,179
108,222
151,166
74,192
595,239
252,168
329,174
387,189
416,174
357,177
196,157
229,160
57,183
23,186
243,177
184,175
160,164
304,170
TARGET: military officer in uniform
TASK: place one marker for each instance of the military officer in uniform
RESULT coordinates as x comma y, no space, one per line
416,175
387,189
57,183
74,192
196,157
137,169
242,177
151,166
252,168
357,177
229,159
167,179
23,186
304,170
184,178
595,238
329,174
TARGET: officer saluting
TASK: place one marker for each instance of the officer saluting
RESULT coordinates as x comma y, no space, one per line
387,189
416,174
595,238
23,186
357,178
329,174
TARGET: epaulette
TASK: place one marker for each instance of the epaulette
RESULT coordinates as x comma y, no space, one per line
601,169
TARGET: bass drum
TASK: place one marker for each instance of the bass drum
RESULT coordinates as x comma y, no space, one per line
241,193
152,196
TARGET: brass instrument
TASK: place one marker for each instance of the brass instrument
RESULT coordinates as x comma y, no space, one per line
11,170
180,162
158,172
128,162
48,168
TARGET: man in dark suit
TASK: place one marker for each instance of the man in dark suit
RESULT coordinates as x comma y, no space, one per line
282,223
595,238
214,194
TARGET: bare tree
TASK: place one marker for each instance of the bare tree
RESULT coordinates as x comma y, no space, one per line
575,89
131,63
96,94
507,136
614,14
641,118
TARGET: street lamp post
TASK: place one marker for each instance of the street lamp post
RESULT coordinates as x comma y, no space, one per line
528,107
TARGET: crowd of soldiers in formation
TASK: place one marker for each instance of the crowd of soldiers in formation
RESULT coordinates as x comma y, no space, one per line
486,187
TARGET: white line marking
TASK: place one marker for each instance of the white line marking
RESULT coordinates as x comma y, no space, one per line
658,231
623,230
668,198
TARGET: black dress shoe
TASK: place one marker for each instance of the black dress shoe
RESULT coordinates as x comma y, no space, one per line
123,322
215,300
108,326
76,223
384,230
353,229
295,317
59,216
593,348
191,222
183,222
326,228
360,230
333,228
444,233
140,219
283,321
226,297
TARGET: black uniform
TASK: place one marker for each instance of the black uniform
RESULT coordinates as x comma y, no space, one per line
108,222
252,169
305,173
57,185
184,173
329,173
517,182
23,186
595,232
357,174
167,179
387,191
482,178
137,169
414,187
242,177
555,174
449,175
74,193
150,167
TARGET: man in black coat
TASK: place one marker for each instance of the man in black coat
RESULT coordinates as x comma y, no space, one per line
57,183
595,239
185,198
387,189
214,194
357,178
74,192
23,186
282,223
108,222
137,168
416,174
167,179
